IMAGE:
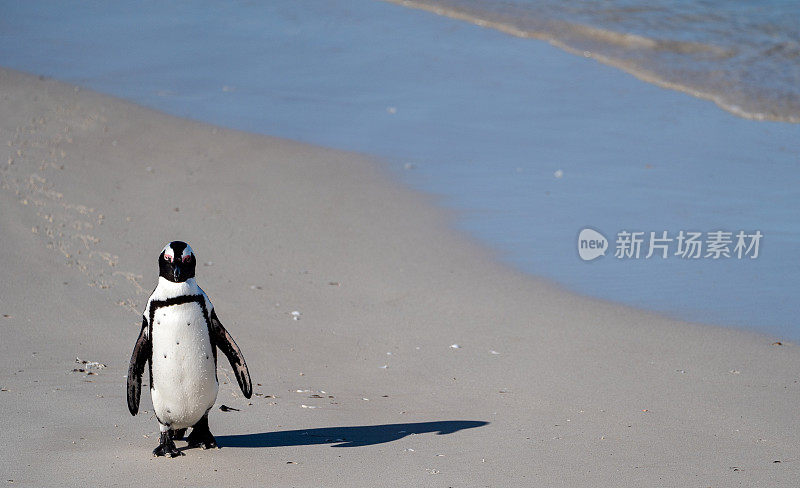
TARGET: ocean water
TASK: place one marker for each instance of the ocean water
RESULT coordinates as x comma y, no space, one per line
742,54
527,143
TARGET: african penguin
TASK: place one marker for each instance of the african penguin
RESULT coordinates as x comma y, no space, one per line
179,339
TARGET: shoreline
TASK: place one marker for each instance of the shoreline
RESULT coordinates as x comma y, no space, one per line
581,391
445,218
623,148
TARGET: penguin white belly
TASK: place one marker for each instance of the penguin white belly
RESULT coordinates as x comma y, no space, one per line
184,372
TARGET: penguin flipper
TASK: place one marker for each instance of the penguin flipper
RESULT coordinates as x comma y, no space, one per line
223,340
141,354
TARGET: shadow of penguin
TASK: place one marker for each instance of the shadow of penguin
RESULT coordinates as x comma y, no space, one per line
356,436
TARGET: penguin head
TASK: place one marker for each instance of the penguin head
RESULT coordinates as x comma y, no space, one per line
176,262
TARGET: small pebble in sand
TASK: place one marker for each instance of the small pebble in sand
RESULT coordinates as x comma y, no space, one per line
494,352
89,364
308,406
455,346
296,315
149,169
385,366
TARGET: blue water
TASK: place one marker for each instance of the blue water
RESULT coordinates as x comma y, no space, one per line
742,54
481,118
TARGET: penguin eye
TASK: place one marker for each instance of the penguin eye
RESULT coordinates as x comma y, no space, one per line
187,258
168,258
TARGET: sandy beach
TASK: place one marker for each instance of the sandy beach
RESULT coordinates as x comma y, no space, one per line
366,388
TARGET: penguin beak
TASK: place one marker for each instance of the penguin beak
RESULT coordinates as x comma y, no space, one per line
176,272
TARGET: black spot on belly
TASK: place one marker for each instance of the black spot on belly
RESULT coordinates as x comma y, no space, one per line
165,356
178,343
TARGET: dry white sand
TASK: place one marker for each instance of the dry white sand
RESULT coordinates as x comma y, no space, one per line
579,392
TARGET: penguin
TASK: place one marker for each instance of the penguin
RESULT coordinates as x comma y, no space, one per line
179,339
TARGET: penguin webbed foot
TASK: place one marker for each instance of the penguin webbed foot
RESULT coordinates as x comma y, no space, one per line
202,439
206,442
201,436
166,447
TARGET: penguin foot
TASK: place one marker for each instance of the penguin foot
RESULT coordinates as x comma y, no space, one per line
178,434
201,436
166,447
206,440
